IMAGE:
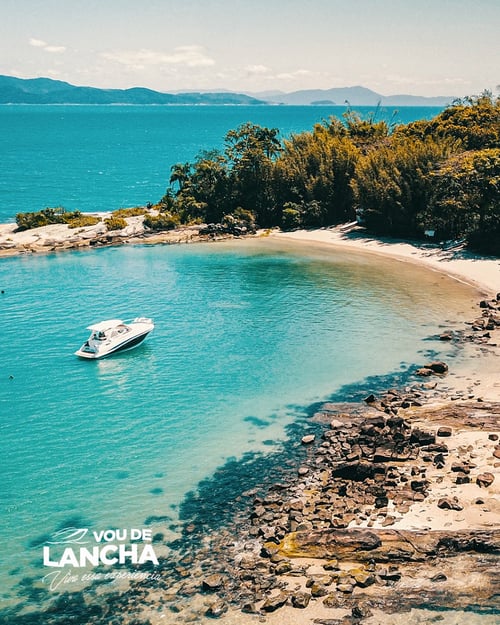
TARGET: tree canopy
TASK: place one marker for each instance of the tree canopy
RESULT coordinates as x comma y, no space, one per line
441,174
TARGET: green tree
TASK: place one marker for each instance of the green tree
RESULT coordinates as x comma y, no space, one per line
209,185
474,121
318,167
466,200
392,187
365,133
180,173
251,150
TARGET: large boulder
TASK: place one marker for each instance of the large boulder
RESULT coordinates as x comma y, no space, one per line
422,437
438,367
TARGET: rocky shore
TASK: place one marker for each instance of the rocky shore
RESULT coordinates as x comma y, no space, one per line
338,536
60,237
373,507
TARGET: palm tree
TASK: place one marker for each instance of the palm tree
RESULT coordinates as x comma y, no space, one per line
180,174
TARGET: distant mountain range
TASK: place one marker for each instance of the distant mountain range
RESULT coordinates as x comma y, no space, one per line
47,91
355,96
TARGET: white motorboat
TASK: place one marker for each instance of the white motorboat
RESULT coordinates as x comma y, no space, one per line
114,335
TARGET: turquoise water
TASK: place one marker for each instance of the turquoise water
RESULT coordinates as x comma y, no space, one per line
247,335
100,158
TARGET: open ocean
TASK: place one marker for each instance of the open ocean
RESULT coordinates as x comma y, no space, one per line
248,334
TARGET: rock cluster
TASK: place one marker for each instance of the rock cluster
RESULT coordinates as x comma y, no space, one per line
487,322
433,368
484,327
59,237
357,477
326,528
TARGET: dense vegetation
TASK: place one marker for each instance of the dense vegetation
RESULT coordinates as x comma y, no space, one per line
75,219
59,215
441,175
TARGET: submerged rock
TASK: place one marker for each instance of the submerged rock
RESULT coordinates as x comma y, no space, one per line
308,439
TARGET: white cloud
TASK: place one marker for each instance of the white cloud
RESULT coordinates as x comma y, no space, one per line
39,43
257,70
299,73
56,49
270,75
397,79
189,56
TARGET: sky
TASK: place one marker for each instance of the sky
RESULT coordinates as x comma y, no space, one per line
418,47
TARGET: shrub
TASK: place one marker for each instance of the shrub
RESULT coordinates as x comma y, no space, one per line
46,217
26,221
83,220
245,218
115,223
162,221
129,212
291,218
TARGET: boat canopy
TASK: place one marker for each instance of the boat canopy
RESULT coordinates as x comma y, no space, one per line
102,326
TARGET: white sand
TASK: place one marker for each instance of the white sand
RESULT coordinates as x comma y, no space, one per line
482,272
477,373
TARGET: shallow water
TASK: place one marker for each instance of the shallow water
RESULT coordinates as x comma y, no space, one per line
248,335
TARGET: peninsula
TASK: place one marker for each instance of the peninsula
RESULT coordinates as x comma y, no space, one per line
372,507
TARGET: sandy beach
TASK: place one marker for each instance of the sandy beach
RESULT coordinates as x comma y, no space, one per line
480,272
484,273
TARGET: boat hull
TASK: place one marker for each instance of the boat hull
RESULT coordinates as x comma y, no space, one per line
113,336
125,346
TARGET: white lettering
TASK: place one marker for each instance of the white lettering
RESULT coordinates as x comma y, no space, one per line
148,555
68,557
91,558
132,553
46,558
56,579
104,552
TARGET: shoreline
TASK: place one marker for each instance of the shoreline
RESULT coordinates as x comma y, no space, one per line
388,497
479,272
475,270
432,487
